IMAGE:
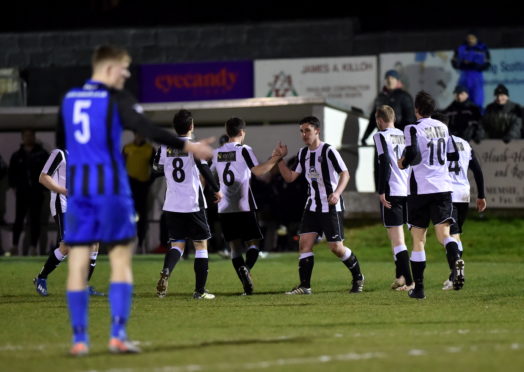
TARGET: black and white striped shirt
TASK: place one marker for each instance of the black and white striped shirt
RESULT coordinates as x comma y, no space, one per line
55,167
322,168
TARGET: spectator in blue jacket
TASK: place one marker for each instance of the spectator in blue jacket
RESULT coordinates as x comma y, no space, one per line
472,58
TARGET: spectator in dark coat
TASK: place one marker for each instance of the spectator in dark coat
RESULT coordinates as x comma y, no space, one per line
463,116
392,95
502,118
25,167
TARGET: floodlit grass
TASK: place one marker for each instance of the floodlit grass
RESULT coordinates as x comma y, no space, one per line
480,328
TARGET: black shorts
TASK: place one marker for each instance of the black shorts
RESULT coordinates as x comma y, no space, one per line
193,225
436,207
460,212
59,220
331,224
397,214
240,226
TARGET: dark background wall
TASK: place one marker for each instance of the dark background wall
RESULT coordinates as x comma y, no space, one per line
53,61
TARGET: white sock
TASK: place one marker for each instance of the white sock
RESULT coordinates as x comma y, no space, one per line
398,249
346,255
450,240
305,255
201,253
59,256
460,246
93,255
418,256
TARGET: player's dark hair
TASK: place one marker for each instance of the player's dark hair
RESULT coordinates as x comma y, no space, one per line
443,118
223,139
104,53
424,104
182,122
310,120
234,126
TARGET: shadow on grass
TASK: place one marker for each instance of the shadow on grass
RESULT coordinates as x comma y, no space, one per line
238,342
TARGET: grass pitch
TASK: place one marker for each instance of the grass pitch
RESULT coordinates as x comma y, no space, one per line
480,328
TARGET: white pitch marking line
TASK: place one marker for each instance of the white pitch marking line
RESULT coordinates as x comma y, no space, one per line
255,365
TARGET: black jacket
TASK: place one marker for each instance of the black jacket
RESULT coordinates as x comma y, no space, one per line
25,168
402,104
502,121
464,119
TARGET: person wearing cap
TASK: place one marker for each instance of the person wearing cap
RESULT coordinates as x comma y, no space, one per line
397,98
502,119
392,95
472,58
463,116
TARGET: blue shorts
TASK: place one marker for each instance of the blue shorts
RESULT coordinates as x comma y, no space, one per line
107,220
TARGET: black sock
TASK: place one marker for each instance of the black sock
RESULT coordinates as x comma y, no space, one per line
460,253
418,273
92,265
452,253
398,270
305,270
51,264
237,263
403,263
201,268
353,266
171,259
252,257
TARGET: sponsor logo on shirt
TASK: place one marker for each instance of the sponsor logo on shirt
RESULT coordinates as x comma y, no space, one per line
227,156
172,152
313,174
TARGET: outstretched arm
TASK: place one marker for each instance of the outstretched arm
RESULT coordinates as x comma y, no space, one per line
266,166
133,118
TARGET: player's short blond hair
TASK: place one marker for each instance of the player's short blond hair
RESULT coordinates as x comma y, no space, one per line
385,113
106,53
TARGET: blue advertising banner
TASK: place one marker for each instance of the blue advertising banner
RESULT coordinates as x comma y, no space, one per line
432,71
507,67
196,81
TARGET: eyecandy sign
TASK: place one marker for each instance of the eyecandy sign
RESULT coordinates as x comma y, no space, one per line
196,81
